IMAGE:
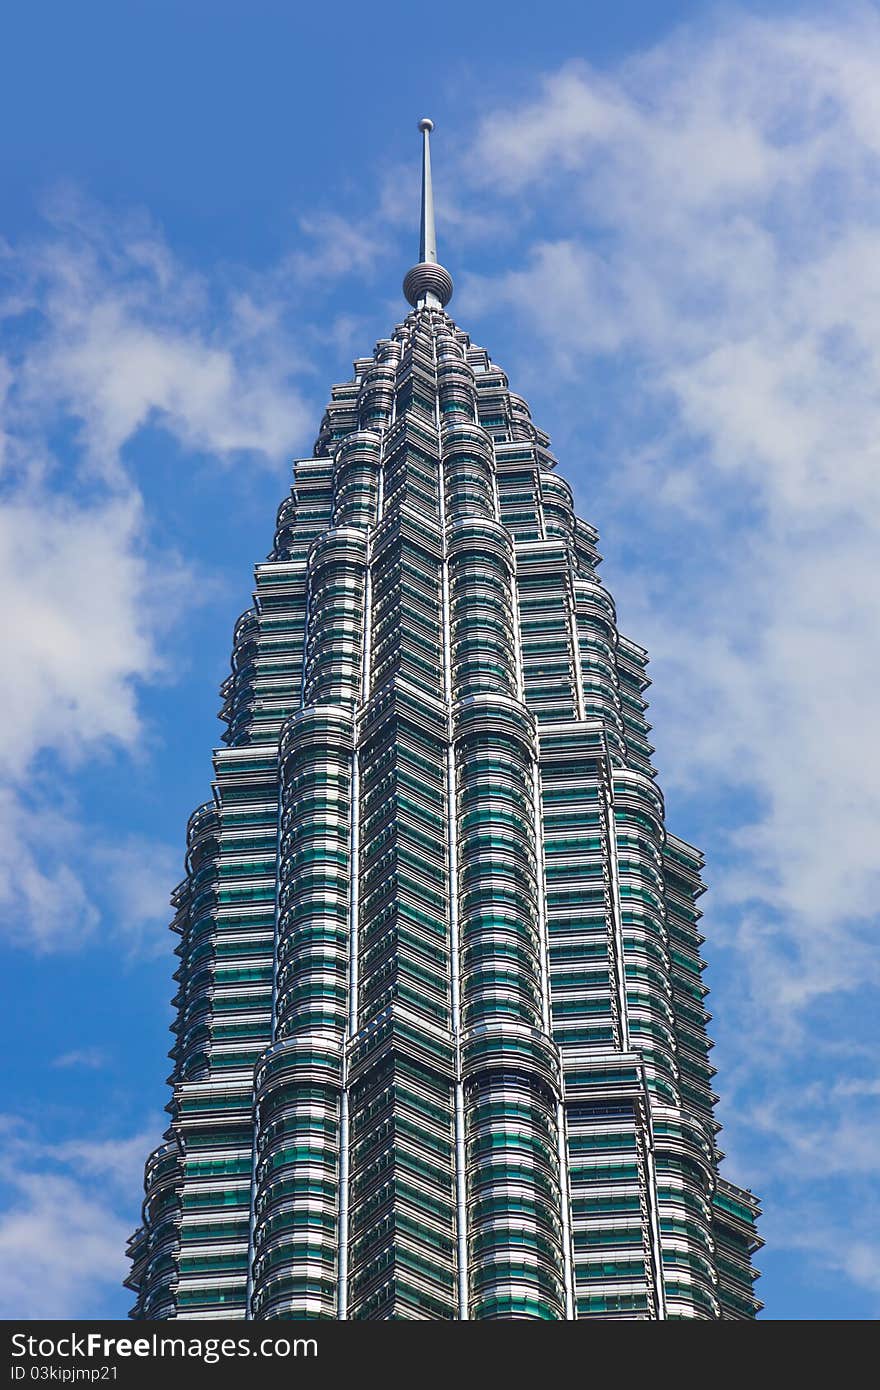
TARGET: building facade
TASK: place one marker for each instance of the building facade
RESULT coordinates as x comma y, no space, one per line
440,1046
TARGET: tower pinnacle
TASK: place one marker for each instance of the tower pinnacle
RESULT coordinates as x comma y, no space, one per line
428,284
440,1047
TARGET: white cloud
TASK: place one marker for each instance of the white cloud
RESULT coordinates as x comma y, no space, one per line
84,610
138,875
340,248
822,1129
106,333
706,258
92,1058
60,1249
835,1247
118,1162
81,612
727,183
65,1220
43,900
61,884
125,336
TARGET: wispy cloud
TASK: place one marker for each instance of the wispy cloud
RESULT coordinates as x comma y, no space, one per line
60,1248
92,1058
339,247
119,334
708,255
105,333
748,309
43,899
82,608
66,1212
138,875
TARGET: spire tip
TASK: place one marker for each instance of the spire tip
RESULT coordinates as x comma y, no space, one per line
427,284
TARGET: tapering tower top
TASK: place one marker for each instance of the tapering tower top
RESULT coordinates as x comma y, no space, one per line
428,284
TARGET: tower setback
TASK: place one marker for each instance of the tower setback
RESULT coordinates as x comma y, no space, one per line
440,1046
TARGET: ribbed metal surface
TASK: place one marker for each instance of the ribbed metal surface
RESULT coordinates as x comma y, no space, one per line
440,1046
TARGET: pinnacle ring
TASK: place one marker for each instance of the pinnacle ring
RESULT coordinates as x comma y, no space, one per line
428,278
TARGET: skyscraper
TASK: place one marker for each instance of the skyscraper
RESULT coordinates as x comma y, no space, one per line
440,1048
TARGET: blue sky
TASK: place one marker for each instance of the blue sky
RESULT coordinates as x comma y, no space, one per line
662,220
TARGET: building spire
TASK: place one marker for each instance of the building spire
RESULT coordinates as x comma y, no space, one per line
428,285
428,242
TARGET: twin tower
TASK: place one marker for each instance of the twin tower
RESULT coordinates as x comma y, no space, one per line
440,1047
